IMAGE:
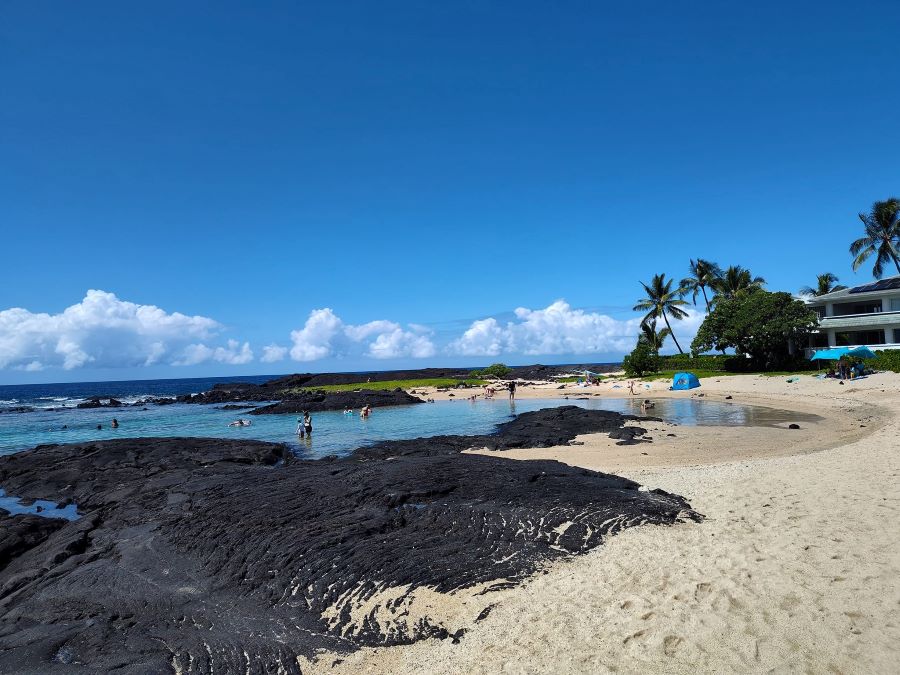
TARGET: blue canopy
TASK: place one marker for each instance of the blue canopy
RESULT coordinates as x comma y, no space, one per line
834,353
685,381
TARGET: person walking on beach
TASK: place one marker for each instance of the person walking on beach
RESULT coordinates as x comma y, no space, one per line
512,389
631,387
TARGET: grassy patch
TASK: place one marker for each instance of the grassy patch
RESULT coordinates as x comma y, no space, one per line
393,384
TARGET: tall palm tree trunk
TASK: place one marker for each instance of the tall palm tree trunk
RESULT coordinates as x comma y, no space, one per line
666,319
705,299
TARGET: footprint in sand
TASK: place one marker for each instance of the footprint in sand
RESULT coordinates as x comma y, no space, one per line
702,591
670,644
634,636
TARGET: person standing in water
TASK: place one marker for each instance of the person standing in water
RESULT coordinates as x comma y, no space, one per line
307,423
512,389
115,423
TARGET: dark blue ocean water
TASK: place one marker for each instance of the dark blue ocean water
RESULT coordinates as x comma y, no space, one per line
71,393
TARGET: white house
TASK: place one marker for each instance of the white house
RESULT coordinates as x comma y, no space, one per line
863,315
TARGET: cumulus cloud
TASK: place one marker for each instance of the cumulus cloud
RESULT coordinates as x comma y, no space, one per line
106,332
325,335
234,354
558,329
272,353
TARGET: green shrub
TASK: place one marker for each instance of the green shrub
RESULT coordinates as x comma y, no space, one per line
493,370
641,360
701,362
725,363
885,359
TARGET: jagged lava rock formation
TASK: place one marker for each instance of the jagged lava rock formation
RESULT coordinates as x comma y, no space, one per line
214,556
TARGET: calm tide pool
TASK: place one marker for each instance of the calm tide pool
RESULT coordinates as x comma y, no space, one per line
337,433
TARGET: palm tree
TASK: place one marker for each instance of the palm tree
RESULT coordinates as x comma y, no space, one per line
735,280
651,336
661,298
703,275
882,228
825,283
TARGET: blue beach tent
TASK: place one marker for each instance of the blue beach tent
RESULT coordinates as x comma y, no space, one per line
685,381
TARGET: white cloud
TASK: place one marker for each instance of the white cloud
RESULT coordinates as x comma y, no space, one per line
484,337
325,335
234,354
272,353
106,332
559,329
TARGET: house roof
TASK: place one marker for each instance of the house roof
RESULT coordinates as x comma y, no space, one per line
874,320
876,289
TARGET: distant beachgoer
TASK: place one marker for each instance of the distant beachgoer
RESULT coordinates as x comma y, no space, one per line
300,429
631,387
99,427
512,388
115,423
647,404
65,426
307,423
364,413
240,423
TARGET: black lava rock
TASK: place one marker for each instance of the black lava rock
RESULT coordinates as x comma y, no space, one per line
191,554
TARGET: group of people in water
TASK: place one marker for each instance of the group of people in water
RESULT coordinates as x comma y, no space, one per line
305,426
114,425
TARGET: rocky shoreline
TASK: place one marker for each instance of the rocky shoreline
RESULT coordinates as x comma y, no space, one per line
191,554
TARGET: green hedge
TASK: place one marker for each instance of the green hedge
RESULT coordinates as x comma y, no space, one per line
688,362
886,359
724,363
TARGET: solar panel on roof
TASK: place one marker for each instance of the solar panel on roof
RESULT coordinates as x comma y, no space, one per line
882,285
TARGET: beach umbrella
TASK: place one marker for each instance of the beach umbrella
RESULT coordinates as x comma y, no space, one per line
862,353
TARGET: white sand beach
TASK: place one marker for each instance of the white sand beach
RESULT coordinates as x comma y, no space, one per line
796,567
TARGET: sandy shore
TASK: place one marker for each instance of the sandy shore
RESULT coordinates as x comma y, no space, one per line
795,569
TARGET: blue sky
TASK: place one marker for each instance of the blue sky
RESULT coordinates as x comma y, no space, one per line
414,168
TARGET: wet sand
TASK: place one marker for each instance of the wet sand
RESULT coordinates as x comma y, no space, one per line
795,568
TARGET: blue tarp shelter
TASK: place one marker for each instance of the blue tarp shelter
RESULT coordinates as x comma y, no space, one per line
685,381
834,353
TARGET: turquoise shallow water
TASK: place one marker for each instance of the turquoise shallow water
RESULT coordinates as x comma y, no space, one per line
336,433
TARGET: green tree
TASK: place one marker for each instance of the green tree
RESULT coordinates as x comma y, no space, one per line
651,336
493,370
641,360
825,283
662,299
882,236
758,324
734,280
703,275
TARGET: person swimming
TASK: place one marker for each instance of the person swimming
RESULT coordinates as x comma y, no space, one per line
647,404
241,423
115,423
